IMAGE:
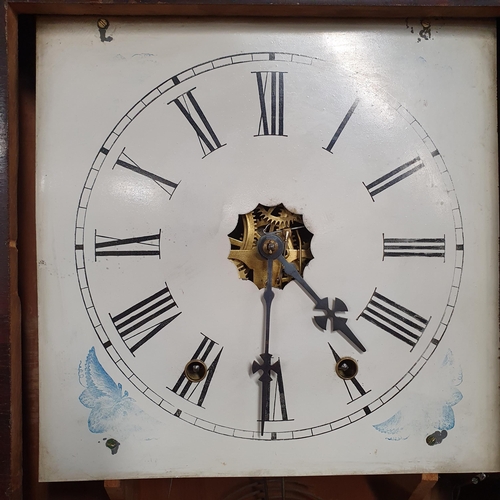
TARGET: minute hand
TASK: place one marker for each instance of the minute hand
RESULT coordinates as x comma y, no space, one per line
338,324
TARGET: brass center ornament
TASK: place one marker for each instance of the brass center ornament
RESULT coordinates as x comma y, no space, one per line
288,226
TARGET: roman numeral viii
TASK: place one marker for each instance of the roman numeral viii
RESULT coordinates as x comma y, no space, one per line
141,322
191,110
394,176
126,162
414,247
107,246
398,321
187,386
271,87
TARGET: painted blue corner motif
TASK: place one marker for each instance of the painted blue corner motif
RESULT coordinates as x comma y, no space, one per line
111,408
431,413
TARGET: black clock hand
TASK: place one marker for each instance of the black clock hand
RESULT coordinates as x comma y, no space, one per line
338,324
270,247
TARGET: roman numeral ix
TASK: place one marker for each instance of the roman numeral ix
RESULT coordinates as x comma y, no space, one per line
398,321
126,162
107,246
271,87
141,322
414,247
394,176
186,388
191,110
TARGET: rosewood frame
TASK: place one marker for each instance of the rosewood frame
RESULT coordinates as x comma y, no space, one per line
18,314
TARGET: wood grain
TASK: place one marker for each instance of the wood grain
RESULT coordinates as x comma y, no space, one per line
281,8
10,339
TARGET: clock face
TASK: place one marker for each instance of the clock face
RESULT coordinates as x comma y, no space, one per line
200,172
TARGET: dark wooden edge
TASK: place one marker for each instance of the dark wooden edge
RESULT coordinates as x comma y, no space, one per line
280,8
11,359
10,325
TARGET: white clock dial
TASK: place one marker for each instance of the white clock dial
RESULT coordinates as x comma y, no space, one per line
169,184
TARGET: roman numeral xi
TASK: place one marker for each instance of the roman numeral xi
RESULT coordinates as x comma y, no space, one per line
191,110
139,323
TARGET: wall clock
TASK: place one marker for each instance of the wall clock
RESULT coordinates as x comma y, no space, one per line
253,250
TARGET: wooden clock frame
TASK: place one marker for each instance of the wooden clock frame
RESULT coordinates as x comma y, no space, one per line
18,304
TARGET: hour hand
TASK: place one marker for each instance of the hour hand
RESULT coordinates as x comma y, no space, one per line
321,304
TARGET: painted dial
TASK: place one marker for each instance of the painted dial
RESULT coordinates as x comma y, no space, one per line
169,184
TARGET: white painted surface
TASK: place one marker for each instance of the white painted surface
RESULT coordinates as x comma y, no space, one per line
432,99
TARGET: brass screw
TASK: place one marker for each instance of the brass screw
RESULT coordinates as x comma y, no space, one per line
270,246
431,440
103,24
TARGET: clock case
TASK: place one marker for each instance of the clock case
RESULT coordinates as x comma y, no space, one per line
18,330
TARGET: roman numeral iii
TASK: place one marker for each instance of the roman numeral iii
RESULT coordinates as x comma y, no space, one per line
107,246
271,88
126,162
196,378
398,321
394,176
139,323
414,247
191,110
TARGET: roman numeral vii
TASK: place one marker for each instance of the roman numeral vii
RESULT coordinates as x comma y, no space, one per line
187,384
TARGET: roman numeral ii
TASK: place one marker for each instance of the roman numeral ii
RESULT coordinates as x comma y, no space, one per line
394,176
